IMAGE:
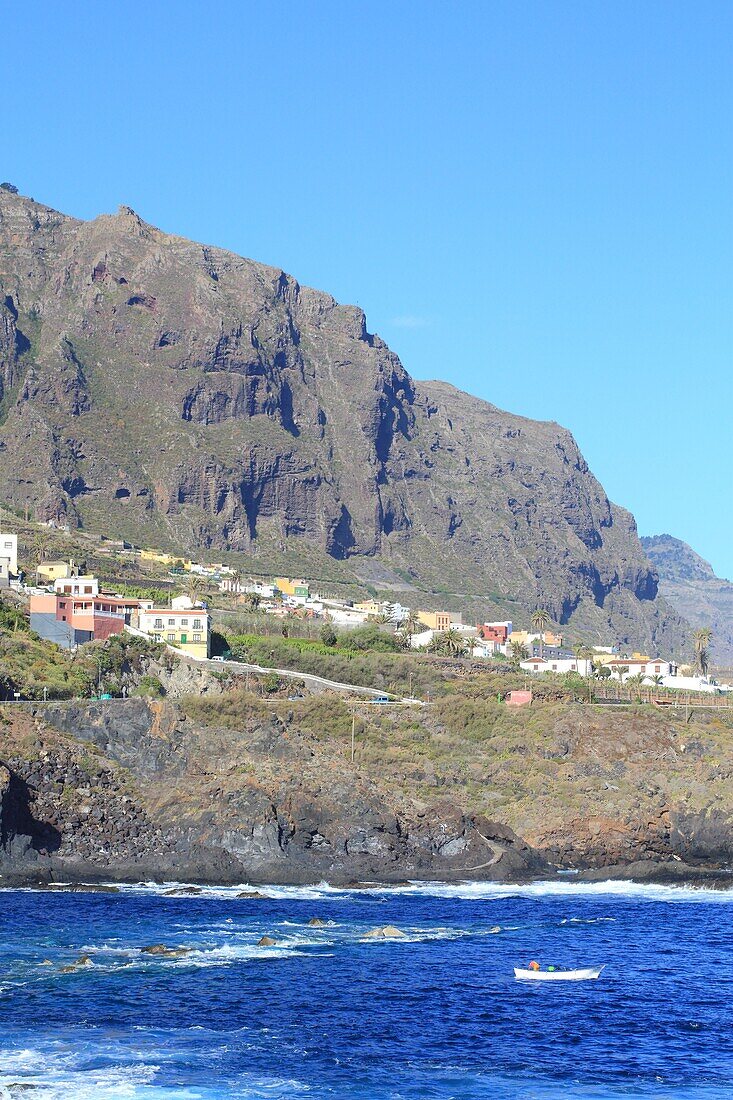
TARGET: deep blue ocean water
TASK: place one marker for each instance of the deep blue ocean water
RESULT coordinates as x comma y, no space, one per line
326,1014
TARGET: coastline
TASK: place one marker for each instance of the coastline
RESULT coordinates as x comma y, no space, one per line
105,880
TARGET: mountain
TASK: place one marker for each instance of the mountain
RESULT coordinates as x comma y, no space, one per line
180,395
690,585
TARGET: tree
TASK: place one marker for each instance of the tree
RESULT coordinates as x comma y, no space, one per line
193,586
583,653
253,600
411,625
518,653
449,642
41,542
622,670
9,187
637,682
702,638
541,621
328,635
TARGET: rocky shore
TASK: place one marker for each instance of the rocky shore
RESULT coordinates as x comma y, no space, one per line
135,790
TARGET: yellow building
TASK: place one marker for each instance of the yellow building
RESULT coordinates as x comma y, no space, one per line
609,658
165,559
290,587
369,607
439,620
188,629
528,637
50,571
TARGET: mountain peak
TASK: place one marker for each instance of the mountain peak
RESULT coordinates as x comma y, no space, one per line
181,395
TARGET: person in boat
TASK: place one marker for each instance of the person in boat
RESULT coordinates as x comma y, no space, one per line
534,965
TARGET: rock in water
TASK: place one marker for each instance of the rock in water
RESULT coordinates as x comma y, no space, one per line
386,932
166,952
266,941
316,922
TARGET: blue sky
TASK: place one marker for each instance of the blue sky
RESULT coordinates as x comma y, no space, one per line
532,201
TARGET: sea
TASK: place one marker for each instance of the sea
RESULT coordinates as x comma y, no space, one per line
327,1014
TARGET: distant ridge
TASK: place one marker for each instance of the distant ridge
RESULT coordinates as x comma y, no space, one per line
691,586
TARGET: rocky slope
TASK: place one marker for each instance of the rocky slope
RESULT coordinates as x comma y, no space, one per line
135,791
177,393
243,789
691,587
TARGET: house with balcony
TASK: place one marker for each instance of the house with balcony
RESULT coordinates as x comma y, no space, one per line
186,628
71,620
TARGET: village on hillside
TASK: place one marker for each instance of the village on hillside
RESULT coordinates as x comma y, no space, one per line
69,607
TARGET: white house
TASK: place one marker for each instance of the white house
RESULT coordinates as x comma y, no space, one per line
558,665
9,551
688,683
623,667
86,585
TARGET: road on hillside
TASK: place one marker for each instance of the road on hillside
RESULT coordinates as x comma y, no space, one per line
290,674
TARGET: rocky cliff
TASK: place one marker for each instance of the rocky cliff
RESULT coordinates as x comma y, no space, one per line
136,790
177,393
691,587
240,789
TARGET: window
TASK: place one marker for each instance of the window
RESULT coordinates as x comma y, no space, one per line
197,624
184,622
158,624
62,603
171,637
171,622
87,589
197,637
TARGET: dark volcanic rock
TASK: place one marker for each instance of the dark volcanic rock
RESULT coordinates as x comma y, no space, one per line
287,423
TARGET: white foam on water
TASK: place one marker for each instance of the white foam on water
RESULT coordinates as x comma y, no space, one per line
467,890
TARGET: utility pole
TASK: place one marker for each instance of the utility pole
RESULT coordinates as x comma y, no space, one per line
353,734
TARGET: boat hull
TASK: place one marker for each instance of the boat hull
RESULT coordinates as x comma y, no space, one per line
587,974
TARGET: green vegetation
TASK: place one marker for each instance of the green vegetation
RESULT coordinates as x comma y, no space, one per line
31,666
365,656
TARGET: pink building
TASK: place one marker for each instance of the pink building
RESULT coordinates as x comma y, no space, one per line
72,620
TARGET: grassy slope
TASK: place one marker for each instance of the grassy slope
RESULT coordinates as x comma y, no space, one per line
563,775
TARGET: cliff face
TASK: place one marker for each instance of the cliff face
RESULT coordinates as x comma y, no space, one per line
135,790
164,390
691,587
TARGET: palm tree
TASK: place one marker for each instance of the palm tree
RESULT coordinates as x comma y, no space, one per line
519,653
236,579
41,542
622,670
449,641
193,586
637,682
410,626
541,621
702,638
583,653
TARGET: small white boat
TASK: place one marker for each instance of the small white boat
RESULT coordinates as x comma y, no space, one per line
586,975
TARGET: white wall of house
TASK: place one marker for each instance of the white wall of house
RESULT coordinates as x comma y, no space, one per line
77,586
559,665
9,550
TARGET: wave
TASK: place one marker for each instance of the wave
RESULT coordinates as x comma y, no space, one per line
467,890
